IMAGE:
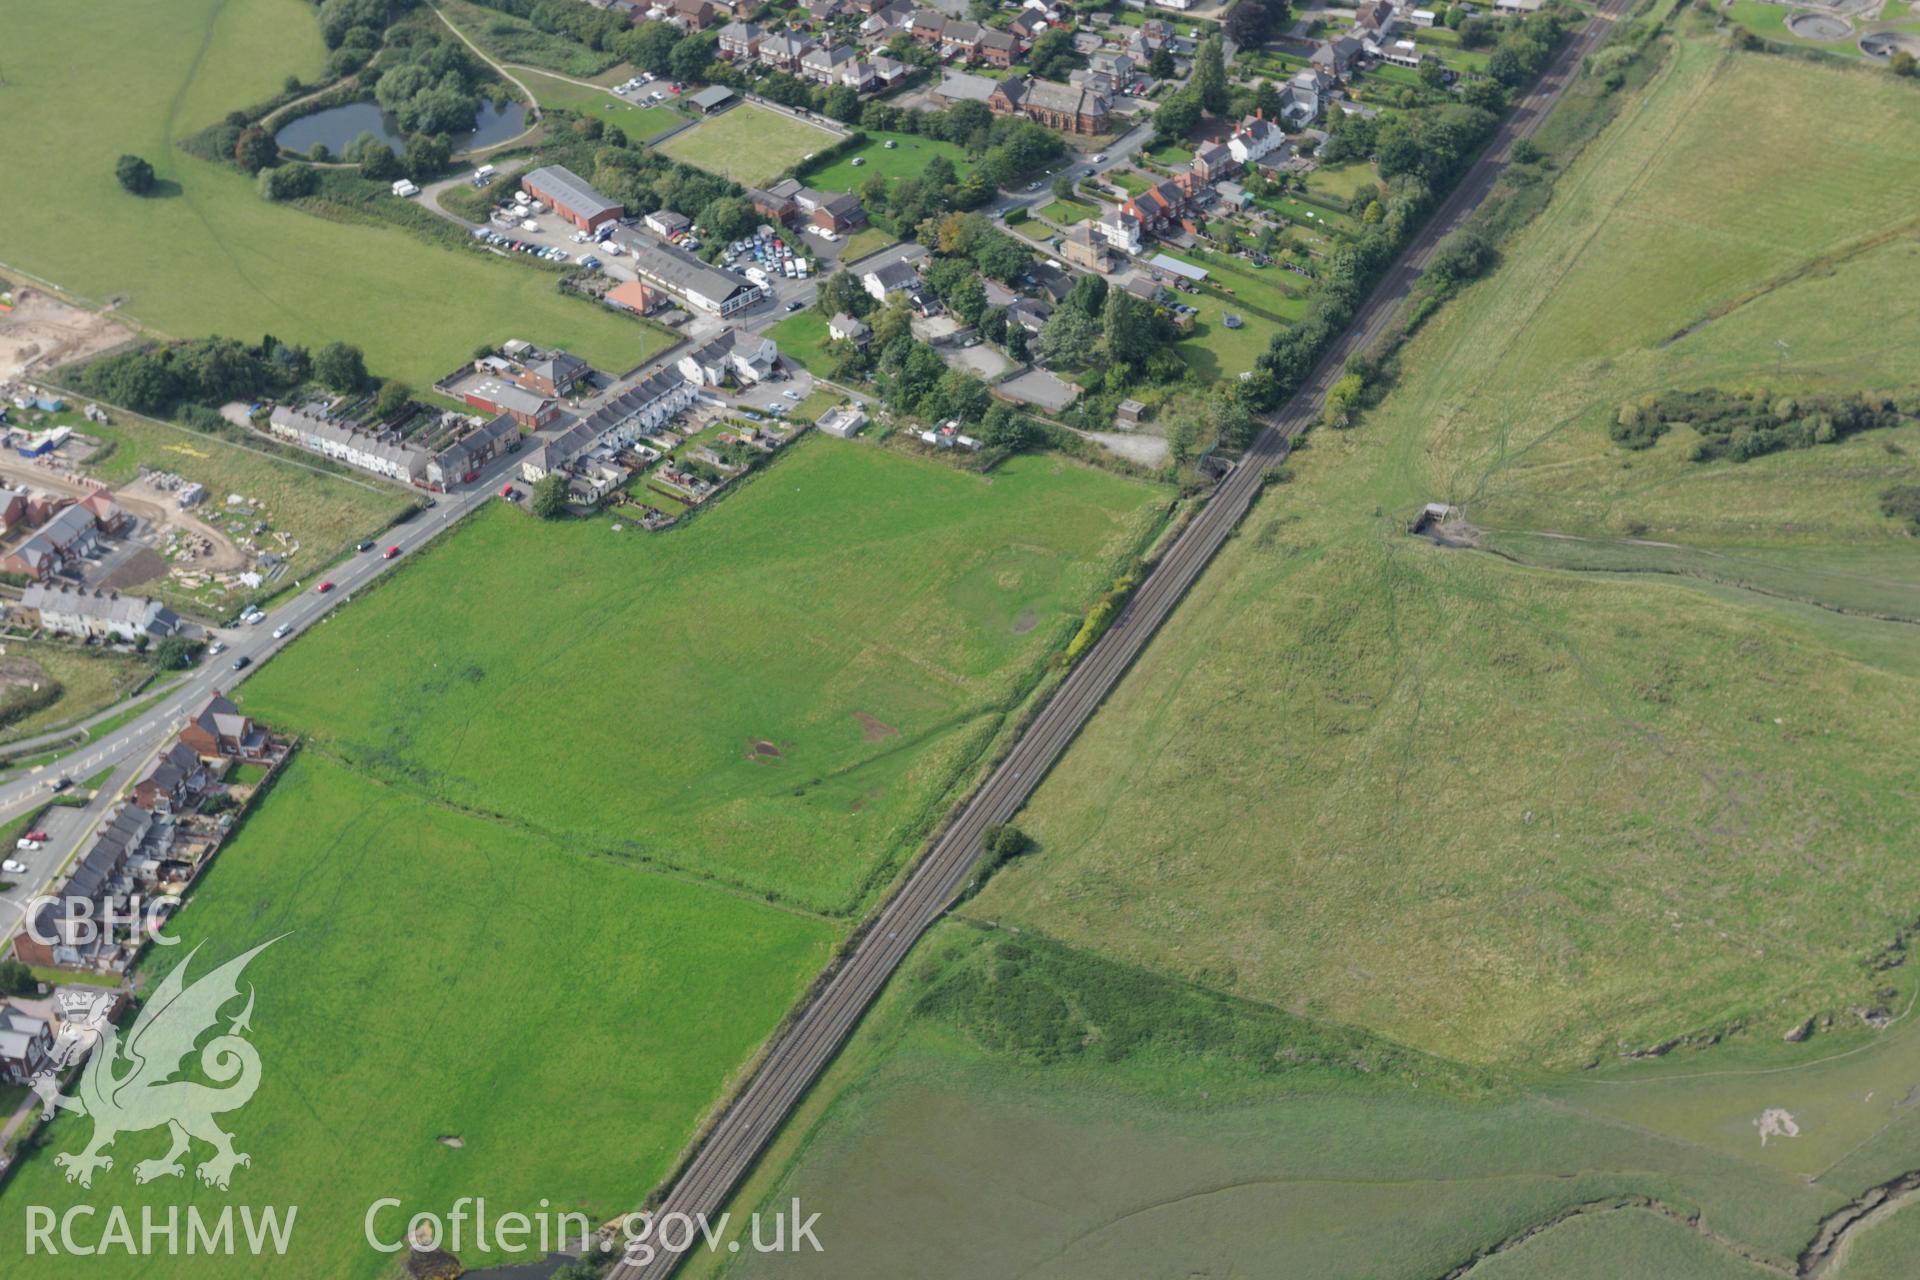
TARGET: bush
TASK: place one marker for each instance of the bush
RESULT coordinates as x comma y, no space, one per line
289,182
1902,502
135,175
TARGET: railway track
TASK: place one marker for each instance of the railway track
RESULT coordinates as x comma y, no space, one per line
809,1043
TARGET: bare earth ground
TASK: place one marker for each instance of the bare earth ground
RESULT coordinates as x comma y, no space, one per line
41,332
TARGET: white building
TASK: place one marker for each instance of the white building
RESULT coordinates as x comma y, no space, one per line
745,357
311,428
70,611
1121,230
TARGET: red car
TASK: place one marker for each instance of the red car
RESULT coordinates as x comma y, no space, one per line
323,588
36,835
390,553
506,491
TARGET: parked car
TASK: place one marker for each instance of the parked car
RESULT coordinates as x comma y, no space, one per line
41,836
242,662
13,868
390,553
25,843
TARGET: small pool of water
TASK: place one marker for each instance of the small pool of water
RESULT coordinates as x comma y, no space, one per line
337,128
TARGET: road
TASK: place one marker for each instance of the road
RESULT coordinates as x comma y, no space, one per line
810,1041
128,746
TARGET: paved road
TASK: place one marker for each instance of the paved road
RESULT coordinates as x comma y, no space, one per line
810,1042
128,746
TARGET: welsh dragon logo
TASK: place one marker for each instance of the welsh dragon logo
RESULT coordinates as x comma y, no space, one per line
129,1085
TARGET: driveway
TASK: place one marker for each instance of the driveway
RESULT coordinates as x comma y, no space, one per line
1042,389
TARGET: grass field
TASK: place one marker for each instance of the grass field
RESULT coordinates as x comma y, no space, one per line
207,255
512,39
1235,287
442,976
1529,815
634,120
803,335
908,157
749,143
777,696
89,681
1344,1157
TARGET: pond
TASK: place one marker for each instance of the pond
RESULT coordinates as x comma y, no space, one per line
339,127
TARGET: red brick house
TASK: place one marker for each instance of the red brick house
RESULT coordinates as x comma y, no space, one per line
220,732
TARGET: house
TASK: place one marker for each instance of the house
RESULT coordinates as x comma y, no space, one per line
694,15
382,452
1375,17
643,407
1233,196
1337,56
960,39
666,224
461,461
1112,62
775,203
571,197
1069,108
174,780
888,20
846,328
635,296
1402,53
740,41
1253,139
1422,17
26,1046
732,354
71,611
927,25
1213,161
220,732
702,287
553,373
997,48
821,12
829,64
557,453
1157,207
1517,8
1081,248
107,515
890,278
1027,25
837,211
783,51
1121,231
711,100
68,535
1030,314
1306,96
502,396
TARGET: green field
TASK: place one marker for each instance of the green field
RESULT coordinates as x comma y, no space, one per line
779,696
749,143
1209,1137
908,157
565,1017
207,255
512,39
1547,816
1235,287
803,335
635,121
89,680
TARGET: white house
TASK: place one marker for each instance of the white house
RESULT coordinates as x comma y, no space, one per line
76,612
746,357
1120,230
311,428
643,407
1254,139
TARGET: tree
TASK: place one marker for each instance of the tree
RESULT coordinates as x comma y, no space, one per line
550,496
1433,73
135,174
1160,64
1902,64
726,218
255,149
341,366
1068,338
1176,117
691,57
393,397
1210,76
1252,21
16,979
289,182
175,653
427,154
649,46
1129,328
1266,100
